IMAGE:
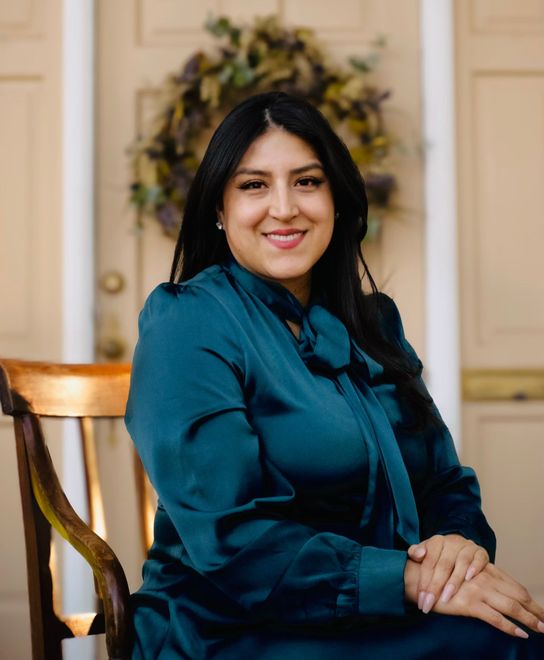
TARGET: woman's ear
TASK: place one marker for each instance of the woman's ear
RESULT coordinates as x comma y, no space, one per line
219,214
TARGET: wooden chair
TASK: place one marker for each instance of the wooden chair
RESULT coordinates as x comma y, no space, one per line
29,391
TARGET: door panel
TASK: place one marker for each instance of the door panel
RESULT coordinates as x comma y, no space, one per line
506,321
30,253
509,455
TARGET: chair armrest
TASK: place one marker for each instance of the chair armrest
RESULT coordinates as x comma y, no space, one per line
109,575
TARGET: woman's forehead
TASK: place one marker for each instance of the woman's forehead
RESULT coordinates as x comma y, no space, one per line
278,147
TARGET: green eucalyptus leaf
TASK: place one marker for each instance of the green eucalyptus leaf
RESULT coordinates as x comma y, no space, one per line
360,64
373,227
243,75
219,27
226,73
154,195
235,36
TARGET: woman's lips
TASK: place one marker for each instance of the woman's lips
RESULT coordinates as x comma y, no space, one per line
285,242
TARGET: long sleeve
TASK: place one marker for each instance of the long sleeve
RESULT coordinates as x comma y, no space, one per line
447,493
231,507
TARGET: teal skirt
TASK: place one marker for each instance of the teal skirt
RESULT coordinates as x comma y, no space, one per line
425,637
414,637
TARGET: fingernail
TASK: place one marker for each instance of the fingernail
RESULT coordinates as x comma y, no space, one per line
540,626
428,603
521,633
447,593
421,599
419,552
470,573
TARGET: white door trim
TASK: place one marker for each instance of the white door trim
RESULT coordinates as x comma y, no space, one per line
78,269
441,264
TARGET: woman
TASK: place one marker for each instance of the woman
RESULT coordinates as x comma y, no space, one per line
311,501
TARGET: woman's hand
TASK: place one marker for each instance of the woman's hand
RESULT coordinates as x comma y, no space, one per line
491,596
446,562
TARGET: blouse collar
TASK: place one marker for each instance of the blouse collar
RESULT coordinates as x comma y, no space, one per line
273,294
324,342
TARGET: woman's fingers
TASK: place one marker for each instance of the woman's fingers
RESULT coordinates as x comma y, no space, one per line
497,599
417,552
446,561
507,585
441,577
465,559
443,569
490,615
502,602
470,561
511,607
479,562
450,572
433,552
515,592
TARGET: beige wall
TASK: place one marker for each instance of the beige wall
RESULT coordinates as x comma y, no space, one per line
30,251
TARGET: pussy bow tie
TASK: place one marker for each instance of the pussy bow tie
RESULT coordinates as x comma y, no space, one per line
325,345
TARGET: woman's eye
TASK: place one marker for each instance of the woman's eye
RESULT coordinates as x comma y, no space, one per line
310,181
251,185
305,182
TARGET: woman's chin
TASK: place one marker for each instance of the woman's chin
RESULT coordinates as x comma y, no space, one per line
289,273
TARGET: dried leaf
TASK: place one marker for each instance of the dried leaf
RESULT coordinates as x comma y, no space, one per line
210,90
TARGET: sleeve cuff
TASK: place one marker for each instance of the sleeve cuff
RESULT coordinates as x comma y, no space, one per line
381,581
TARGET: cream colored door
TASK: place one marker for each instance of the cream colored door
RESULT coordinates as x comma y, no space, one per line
500,100
30,253
138,44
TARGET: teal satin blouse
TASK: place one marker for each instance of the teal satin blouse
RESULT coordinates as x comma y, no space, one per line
287,492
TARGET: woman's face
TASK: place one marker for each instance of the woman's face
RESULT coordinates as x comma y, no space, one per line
278,211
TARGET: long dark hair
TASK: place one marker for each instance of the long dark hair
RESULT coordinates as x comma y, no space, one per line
336,275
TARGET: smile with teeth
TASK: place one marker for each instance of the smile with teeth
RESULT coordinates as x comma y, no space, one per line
286,237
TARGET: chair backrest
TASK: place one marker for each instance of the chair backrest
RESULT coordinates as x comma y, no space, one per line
29,391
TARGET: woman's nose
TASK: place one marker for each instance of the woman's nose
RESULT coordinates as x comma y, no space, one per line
282,204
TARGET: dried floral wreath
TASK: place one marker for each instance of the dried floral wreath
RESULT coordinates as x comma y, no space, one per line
251,59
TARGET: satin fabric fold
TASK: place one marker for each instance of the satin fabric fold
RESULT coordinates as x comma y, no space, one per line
325,345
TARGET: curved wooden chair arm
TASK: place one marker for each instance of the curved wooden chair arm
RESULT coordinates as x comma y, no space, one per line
110,578
28,392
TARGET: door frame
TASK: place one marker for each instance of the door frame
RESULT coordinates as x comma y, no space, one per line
442,314
78,253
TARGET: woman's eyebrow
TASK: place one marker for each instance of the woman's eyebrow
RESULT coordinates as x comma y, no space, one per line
297,170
